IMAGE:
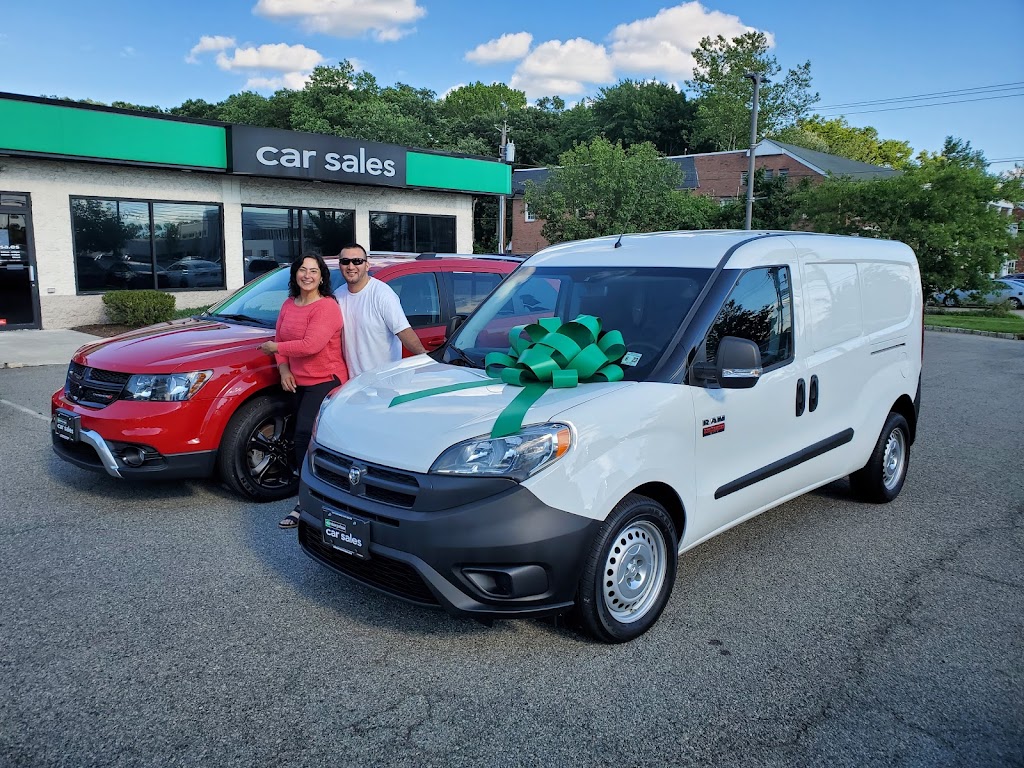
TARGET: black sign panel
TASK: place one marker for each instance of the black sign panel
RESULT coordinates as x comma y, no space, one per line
294,155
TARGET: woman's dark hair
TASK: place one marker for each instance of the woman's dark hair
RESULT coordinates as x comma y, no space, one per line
325,276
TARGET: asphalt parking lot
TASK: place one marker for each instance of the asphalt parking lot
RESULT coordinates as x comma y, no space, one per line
173,624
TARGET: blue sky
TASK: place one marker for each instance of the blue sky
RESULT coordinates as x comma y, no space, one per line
165,53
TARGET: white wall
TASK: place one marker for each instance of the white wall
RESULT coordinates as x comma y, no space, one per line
51,184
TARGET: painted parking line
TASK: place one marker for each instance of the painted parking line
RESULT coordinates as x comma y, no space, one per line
23,409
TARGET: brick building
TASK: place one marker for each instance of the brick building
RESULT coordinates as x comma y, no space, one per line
721,175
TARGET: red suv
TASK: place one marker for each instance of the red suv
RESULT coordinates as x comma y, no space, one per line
187,398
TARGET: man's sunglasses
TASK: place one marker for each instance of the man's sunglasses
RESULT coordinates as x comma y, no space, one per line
346,262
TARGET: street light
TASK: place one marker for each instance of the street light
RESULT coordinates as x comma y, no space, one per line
757,78
507,154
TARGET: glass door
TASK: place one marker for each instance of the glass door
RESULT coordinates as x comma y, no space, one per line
19,292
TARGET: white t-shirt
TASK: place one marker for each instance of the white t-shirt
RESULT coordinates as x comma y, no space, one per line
373,317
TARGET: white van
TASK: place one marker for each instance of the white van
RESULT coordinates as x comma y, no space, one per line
747,368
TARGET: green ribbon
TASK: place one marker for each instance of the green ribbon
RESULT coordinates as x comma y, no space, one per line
551,354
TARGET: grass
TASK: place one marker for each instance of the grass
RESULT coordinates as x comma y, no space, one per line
978,321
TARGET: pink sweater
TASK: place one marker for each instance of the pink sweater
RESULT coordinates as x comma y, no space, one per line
309,340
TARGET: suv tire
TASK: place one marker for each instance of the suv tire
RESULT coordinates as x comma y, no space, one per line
255,458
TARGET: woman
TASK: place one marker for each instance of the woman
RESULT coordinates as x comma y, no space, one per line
307,346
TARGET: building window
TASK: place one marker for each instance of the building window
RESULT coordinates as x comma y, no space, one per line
138,244
769,174
527,215
783,173
412,233
279,235
743,178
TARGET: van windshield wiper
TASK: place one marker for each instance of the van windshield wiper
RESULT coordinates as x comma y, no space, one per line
462,358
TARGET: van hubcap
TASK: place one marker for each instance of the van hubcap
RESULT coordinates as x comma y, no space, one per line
894,459
634,571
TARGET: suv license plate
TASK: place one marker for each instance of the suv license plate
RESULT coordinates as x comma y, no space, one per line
347,533
66,425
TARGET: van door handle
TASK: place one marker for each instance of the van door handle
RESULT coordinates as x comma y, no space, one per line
813,397
800,397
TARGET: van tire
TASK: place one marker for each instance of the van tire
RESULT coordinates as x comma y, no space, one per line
256,453
881,479
642,528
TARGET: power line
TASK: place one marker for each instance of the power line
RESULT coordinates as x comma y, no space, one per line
959,92
918,106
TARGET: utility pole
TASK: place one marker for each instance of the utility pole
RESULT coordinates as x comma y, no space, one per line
501,198
756,78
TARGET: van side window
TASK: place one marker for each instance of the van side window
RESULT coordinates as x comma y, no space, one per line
759,308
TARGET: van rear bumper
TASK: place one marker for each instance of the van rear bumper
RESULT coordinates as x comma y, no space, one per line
507,555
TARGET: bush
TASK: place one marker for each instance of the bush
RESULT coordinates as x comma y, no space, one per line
138,308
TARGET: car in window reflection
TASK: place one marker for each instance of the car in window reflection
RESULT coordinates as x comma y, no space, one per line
195,273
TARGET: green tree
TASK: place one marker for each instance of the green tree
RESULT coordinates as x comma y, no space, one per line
496,100
941,208
634,112
600,188
841,138
775,205
723,108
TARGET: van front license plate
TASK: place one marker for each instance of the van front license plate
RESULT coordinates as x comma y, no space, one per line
348,533
66,425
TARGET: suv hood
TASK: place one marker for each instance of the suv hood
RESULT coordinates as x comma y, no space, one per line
358,422
177,346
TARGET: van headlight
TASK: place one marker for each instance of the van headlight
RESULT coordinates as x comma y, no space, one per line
517,456
165,387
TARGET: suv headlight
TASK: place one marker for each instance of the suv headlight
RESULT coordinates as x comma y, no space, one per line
165,387
516,456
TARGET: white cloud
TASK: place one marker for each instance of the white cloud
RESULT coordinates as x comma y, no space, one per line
387,20
506,48
209,43
557,68
453,88
296,81
280,57
664,43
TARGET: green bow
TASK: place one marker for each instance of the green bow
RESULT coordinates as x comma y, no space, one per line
553,354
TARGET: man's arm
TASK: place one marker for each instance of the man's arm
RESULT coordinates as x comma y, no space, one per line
411,341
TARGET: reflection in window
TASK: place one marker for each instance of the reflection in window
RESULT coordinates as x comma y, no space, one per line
275,236
113,248
412,233
759,308
187,244
470,288
418,294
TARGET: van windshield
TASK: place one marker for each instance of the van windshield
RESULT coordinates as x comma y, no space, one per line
645,304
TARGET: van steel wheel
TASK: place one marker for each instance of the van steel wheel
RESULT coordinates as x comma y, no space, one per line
882,478
255,458
629,574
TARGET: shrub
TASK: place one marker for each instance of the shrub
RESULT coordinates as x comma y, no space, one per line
138,308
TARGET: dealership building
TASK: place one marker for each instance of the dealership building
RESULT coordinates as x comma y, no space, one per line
94,199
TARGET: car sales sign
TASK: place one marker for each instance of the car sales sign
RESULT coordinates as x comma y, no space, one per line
291,154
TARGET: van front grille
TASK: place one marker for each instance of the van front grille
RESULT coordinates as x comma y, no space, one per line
375,482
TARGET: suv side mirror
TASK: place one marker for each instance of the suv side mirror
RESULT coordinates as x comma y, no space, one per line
453,325
738,363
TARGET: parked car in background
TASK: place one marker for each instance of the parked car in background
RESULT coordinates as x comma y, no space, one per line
192,397
1003,290
196,273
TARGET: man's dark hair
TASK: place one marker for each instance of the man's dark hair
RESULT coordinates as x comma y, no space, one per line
354,245
325,276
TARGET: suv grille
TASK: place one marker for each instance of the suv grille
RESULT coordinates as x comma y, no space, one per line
391,576
374,482
94,387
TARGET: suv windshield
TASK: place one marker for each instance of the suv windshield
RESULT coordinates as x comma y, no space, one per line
260,301
645,304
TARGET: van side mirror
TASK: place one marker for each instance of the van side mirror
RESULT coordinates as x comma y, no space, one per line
738,363
453,325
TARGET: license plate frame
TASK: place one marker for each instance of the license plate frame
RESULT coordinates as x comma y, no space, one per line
67,425
347,533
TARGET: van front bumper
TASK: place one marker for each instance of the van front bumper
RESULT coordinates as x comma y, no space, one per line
481,547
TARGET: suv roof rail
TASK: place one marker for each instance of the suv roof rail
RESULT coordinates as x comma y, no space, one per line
486,256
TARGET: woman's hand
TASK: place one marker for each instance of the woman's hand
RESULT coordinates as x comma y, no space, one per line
287,380
270,347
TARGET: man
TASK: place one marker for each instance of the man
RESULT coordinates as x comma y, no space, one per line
376,327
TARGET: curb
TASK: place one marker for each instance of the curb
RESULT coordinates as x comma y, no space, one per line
994,334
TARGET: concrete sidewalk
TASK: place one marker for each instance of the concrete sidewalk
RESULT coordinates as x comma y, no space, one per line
19,349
